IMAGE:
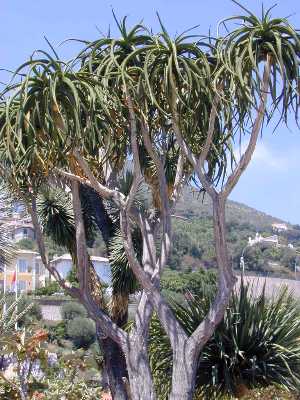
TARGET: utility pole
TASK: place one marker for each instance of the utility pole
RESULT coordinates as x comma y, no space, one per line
242,264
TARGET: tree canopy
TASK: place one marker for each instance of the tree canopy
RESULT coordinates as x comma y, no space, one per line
170,109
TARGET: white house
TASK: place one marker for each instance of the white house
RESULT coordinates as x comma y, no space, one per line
279,227
64,263
18,227
23,231
273,240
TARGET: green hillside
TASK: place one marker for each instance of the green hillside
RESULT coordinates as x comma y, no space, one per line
193,242
193,205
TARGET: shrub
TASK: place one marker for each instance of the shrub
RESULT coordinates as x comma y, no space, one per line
81,331
256,344
50,288
254,259
182,282
33,313
57,332
27,244
72,310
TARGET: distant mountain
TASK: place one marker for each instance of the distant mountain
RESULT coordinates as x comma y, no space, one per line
195,205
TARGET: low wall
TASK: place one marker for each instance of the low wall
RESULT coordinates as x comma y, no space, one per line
273,285
51,307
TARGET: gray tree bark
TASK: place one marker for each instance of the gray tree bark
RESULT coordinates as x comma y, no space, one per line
115,366
185,364
140,377
186,353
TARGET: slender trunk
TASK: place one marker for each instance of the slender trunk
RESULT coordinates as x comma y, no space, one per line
23,388
140,377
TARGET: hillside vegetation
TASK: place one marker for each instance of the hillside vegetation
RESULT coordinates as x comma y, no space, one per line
193,204
193,241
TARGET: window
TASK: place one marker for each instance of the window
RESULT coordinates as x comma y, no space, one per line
21,286
25,231
23,265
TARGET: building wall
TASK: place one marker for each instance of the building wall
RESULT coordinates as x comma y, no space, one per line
64,267
23,233
28,271
102,269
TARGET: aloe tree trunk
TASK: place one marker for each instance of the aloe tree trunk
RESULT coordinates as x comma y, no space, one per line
139,372
186,353
185,363
115,366
137,358
114,359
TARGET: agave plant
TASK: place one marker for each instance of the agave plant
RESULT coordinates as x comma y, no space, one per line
9,315
257,343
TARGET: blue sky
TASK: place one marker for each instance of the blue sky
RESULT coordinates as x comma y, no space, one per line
271,183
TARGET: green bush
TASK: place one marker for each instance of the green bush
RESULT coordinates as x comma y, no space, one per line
81,331
183,282
72,310
256,344
57,332
254,259
50,288
27,244
33,315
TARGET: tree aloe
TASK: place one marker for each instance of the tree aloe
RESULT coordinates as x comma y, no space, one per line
173,108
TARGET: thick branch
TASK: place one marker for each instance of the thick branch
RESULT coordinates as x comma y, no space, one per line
81,246
137,173
210,133
179,179
190,155
164,197
246,157
168,320
226,280
104,191
72,177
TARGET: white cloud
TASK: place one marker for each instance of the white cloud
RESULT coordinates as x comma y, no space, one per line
266,157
